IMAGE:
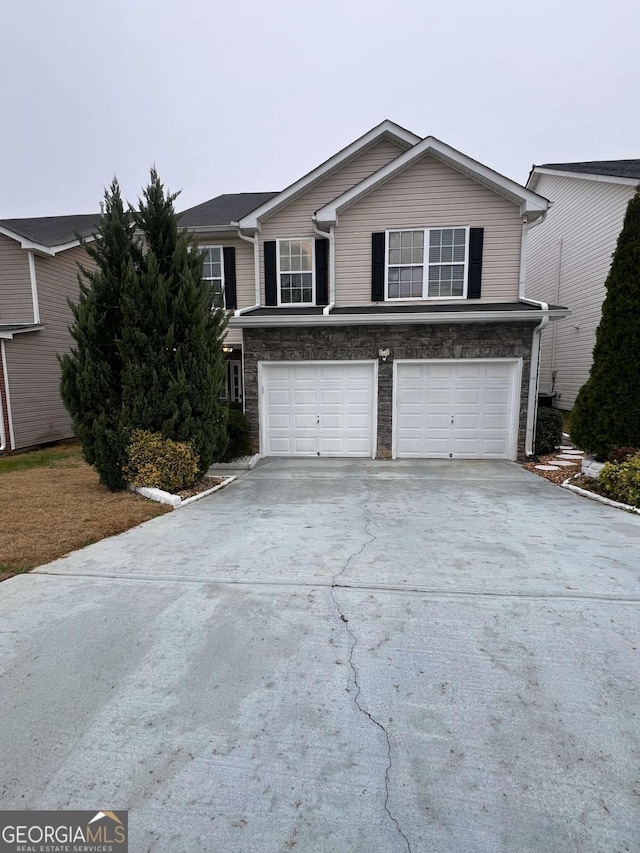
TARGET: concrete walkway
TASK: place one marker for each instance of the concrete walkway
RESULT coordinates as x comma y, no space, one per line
339,656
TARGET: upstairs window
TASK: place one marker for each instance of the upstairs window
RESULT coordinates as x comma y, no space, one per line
213,273
427,263
296,272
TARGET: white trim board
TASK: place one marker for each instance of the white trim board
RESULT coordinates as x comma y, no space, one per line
386,129
7,395
532,206
246,321
584,176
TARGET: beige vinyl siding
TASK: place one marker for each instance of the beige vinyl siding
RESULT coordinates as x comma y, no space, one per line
568,259
429,193
294,220
34,372
16,304
245,276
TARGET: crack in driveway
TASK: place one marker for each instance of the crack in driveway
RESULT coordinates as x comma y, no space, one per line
354,643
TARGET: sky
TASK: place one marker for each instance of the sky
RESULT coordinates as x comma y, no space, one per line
249,96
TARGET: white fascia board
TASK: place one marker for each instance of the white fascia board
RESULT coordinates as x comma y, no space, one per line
8,334
71,245
247,322
38,248
584,176
197,230
532,206
251,221
29,245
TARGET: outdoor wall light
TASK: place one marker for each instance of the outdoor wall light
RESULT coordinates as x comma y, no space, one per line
384,354
227,349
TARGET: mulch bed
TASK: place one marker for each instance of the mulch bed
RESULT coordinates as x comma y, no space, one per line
201,486
555,476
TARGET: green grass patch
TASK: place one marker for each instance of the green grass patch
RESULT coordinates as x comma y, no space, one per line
46,458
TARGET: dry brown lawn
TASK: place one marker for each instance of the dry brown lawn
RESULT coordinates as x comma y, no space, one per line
58,506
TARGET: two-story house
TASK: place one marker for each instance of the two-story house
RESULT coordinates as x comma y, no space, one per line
38,273
379,305
568,260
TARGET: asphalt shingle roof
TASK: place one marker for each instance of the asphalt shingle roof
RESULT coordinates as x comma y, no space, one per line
223,209
53,230
613,168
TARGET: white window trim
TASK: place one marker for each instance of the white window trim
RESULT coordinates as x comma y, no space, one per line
425,265
203,248
311,240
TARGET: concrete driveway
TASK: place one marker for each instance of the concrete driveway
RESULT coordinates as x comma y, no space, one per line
327,656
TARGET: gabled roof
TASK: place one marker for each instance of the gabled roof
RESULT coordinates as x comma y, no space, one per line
385,130
223,210
614,171
532,206
50,233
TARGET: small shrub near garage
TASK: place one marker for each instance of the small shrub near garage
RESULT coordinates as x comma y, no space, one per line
239,436
548,430
621,481
160,463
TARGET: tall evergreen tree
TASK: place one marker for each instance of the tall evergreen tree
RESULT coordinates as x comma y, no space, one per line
91,372
173,366
607,410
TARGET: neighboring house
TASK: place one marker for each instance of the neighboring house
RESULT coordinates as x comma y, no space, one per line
38,272
378,304
568,259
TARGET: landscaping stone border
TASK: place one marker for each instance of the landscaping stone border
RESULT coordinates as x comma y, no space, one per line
599,498
175,500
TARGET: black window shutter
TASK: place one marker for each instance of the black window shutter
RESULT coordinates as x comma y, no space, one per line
270,273
229,260
474,282
322,271
377,266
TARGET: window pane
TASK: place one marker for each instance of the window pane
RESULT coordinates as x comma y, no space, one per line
218,294
394,256
446,280
296,288
394,240
405,283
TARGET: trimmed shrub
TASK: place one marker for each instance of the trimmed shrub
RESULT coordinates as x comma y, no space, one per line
548,430
622,454
621,482
160,463
238,434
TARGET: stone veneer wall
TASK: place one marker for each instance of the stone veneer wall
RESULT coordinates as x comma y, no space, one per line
338,343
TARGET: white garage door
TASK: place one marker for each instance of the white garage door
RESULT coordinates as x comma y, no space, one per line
318,408
463,409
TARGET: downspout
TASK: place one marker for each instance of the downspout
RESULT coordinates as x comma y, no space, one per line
532,404
332,265
255,241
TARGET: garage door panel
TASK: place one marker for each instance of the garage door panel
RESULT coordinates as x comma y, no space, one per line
464,408
318,408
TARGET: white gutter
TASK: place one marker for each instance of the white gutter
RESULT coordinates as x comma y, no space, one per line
12,438
332,264
333,319
256,265
34,287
